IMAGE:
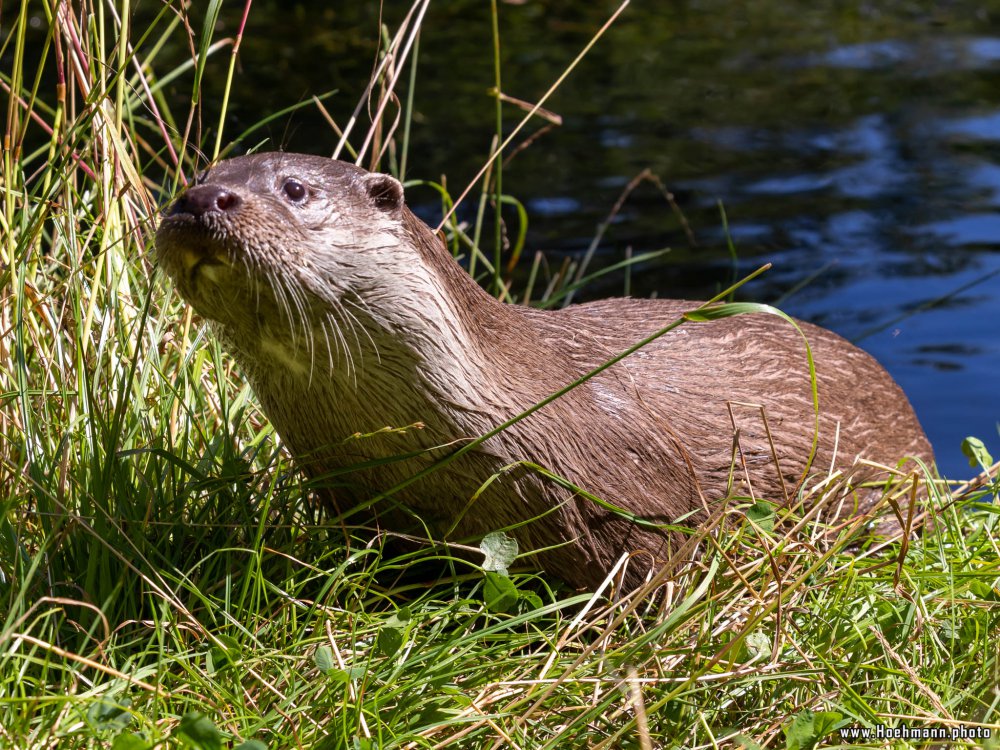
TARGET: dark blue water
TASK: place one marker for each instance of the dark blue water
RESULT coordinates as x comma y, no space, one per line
855,147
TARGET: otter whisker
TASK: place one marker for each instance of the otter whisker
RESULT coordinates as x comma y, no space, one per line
329,345
338,328
298,298
363,306
349,367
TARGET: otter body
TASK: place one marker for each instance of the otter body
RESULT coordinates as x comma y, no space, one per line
349,315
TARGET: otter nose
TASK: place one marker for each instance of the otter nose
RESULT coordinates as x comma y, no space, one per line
203,199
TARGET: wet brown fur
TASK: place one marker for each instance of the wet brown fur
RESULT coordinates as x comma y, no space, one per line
349,315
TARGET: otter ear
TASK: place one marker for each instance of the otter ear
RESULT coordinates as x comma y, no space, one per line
384,191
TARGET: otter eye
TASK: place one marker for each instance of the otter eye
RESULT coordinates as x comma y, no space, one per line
295,190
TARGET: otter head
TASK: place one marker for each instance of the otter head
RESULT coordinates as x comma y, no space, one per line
281,250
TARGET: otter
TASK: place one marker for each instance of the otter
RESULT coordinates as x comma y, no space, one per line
348,315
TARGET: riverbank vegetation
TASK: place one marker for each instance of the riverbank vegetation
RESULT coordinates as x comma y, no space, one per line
166,581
